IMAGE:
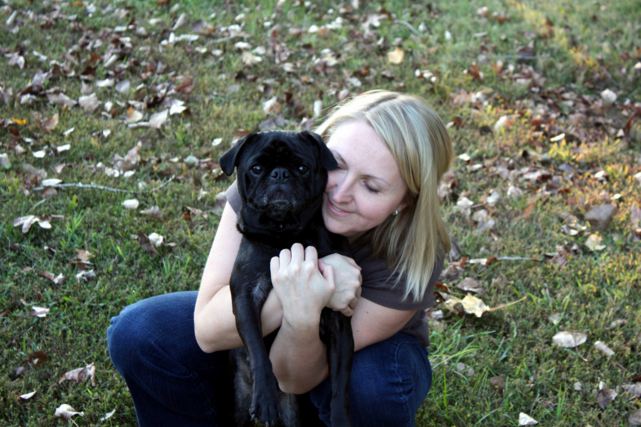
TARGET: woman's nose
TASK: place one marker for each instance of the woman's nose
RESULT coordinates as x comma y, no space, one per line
338,186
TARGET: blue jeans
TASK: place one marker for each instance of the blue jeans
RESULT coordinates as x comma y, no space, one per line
174,383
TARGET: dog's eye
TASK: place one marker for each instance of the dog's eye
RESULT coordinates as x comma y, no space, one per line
302,169
257,169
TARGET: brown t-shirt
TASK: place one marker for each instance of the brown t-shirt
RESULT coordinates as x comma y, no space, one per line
379,282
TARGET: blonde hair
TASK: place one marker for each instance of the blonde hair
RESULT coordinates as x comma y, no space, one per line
411,241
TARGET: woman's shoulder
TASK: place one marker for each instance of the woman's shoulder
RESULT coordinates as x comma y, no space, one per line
386,286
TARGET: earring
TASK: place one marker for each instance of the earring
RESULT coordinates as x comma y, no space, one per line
396,212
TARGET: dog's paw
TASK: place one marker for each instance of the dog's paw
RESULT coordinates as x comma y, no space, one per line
265,410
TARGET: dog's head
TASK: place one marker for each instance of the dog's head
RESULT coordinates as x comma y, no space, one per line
281,179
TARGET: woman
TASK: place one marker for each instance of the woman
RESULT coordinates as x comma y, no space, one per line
392,151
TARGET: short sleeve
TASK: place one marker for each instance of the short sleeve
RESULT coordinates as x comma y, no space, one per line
383,286
233,197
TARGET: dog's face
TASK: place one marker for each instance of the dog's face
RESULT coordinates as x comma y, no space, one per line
281,178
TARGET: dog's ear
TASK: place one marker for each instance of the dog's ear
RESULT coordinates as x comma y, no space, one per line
229,160
326,157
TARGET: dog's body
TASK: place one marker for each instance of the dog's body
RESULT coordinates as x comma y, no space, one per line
281,179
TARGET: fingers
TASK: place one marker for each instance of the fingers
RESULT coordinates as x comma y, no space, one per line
311,254
274,266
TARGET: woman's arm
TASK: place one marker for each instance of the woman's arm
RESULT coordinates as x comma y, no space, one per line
298,355
214,320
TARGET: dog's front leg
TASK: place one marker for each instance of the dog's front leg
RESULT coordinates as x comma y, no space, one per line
338,338
248,300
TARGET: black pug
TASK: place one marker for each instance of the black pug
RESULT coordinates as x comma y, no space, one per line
281,179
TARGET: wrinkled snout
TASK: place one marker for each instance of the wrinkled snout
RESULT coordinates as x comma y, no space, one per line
279,175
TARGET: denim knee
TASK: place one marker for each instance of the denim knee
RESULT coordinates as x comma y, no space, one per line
125,342
389,382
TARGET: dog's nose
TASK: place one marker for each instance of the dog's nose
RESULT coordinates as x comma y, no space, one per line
280,174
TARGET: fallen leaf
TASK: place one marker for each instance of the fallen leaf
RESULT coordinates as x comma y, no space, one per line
80,375
471,285
85,276
153,211
40,154
133,115
25,222
271,106
593,242
567,339
57,280
605,395
89,103
396,56
60,99
526,420
27,396
131,204
39,311
250,59
177,107
158,119
603,348
504,123
66,411
633,389
156,239
608,97
5,163
51,123
470,305
123,86
107,415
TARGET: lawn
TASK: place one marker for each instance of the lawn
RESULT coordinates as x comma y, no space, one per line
113,115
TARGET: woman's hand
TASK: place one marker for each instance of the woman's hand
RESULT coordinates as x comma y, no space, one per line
302,289
347,280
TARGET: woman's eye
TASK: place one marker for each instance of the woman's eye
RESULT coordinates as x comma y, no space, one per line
372,189
257,169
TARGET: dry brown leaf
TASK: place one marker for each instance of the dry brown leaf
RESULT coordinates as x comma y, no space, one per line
80,374
605,395
57,280
471,285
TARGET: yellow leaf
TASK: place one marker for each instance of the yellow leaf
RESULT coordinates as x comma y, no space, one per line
19,122
396,56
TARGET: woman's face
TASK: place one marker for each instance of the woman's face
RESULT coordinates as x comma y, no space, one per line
367,186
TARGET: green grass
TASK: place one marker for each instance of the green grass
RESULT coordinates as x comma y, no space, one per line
577,49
